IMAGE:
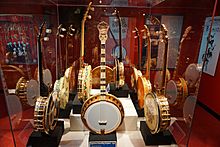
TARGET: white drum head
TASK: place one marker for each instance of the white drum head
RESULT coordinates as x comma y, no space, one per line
47,77
188,109
151,111
171,92
192,74
103,116
32,92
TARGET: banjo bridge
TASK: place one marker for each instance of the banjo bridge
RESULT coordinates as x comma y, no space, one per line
102,122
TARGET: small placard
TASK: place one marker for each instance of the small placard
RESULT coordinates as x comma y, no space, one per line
97,140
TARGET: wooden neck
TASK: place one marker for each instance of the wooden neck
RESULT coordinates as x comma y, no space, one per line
165,40
148,53
102,71
139,53
186,32
83,32
82,42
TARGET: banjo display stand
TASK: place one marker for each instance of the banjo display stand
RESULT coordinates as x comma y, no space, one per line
39,139
140,112
121,92
108,140
161,138
76,105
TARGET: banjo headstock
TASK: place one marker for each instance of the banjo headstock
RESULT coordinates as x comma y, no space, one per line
87,12
164,36
103,31
136,31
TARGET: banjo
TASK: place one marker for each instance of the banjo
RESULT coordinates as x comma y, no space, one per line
28,90
156,106
158,76
192,74
102,113
135,73
84,75
62,86
143,82
46,73
119,66
176,89
46,109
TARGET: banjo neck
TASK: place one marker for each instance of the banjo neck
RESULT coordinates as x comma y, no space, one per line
148,56
103,29
102,71
83,32
187,31
119,34
165,40
137,35
43,87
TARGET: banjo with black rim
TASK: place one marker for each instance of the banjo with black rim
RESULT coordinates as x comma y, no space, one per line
102,113
46,109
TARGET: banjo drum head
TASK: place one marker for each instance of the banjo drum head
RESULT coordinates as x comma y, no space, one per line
188,109
96,76
102,116
151,111
32,92
171,92
47,77
192,74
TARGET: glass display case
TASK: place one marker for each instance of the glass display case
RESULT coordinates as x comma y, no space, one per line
161,46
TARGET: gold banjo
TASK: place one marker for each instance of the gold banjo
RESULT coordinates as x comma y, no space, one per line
143,82
135,73
84,76
176,89
102,113
156,107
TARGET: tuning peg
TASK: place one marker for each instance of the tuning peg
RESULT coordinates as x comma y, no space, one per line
89,16
46,38
92,8
48,31
61,35
63,29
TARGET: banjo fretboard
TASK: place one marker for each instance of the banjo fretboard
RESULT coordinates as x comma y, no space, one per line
102,72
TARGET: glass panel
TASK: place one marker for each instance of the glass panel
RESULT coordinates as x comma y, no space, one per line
19,27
